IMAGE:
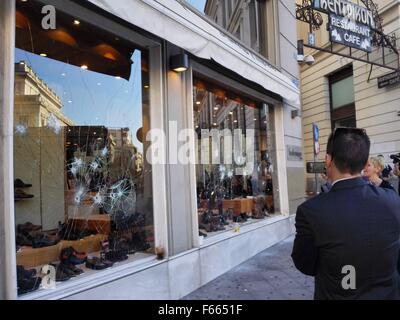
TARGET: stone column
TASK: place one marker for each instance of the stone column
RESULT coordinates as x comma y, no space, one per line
7,233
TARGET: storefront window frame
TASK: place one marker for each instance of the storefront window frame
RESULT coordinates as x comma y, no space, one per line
91,14
218,76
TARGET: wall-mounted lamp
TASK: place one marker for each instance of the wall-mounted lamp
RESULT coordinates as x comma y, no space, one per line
179,62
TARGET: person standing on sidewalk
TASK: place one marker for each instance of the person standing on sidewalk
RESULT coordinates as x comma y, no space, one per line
349,238
373,172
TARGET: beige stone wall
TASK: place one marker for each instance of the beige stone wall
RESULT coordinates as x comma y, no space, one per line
376,109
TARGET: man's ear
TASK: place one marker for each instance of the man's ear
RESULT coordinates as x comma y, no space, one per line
328,160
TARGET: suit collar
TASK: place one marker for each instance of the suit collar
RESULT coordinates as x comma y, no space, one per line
349,183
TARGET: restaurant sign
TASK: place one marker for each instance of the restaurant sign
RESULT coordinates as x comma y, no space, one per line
390,79
349,24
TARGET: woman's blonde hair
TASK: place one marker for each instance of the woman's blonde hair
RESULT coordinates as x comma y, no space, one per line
378,163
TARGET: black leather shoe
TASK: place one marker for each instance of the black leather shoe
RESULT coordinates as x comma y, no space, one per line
98,263
61,274
21,195
116,256
18,183
42,241
23,273
28,285
75,270
70,256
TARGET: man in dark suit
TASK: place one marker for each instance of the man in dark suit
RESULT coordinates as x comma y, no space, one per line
349,237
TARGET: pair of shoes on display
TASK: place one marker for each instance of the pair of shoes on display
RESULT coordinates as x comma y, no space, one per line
36,241
65,271
123,221
70,256
210,227
23,235
115,249
223,219
138,242
96,263
42,240
238,219
206,217
241,218
27,281
202,233
131,242
115,255
122,245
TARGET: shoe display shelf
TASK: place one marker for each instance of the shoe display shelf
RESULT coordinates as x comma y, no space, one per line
32,257
239,206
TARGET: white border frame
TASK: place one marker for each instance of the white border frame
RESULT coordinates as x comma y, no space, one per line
8,267
8,277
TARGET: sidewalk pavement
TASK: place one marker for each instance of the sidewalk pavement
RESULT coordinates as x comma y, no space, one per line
270,275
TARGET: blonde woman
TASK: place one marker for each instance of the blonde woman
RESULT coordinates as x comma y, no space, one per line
373,171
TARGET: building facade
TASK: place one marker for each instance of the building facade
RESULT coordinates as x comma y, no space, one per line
106,175
340,91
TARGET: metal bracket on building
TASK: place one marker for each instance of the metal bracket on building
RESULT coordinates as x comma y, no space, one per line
306,12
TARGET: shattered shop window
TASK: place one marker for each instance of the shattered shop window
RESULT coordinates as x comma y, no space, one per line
234,168
83,190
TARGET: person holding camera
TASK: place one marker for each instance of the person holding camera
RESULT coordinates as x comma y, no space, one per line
373,172
352,231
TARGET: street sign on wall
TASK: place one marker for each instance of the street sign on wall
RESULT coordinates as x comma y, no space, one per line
389,79
316,138
349,24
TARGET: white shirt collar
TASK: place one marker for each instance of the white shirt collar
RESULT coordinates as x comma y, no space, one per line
348,178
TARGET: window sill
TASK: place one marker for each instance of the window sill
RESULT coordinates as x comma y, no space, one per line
93,278
244,228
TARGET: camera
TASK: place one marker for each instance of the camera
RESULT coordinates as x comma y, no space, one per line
309,59
316,167
395,157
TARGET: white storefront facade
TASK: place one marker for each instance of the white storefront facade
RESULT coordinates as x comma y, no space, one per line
73,131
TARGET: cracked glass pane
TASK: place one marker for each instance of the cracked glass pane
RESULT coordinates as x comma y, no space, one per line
236,180
83,191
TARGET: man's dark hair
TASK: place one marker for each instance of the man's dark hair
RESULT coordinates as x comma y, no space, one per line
349,149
